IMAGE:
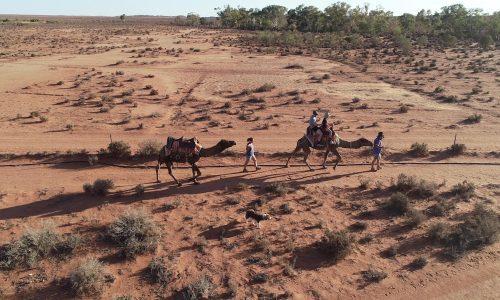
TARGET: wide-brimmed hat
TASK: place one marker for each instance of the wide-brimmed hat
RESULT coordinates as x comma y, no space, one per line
315,113
381,134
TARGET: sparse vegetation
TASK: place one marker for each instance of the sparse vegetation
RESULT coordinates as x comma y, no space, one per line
158,271
140,189
267,87
149,148
135,233
398,204
37,244
464,190
374,275
404,108
294,66
100,187
88,278
337,245
457,149
418,263
200,289
278,189
119,149
472,119
419,150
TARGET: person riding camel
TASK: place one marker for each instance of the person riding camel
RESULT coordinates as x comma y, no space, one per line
313,127
325,130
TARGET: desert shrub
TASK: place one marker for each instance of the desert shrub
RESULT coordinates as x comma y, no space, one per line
485,41
472,119
128,92
403,43
277,189
439,89
439,231
442,207
464,190
153,92
119,149
200,289
364,183
415,217
261,243
140,189
286,209
135,233
158,271
419,150
450,99
100,187
374,275
44,119
30,248
260,278
359,226
149,148
404,108
405,183
123,297
267,87
398,204
294,66
480,228
88,278
418,263
366,239
457,149
424,189
34,114
391,252
337,245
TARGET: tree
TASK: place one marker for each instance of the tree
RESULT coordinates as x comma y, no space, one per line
122,17
193,19
337,17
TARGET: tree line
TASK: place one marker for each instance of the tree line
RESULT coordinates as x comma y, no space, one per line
452,23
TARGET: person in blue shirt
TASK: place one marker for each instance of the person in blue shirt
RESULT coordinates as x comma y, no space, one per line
377,151
250,154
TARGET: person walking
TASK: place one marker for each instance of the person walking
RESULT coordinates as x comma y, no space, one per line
377,151
250,154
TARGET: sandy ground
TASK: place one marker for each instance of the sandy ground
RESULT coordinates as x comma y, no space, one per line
200,94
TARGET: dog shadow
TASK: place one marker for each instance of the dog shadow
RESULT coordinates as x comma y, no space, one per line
224,231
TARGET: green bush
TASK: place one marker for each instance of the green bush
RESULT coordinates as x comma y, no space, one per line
337,245
278,189
418,263
119,149
135,233
88,278
415,217
267,87
472,119
424,189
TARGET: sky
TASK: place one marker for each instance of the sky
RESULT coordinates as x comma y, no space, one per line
206,8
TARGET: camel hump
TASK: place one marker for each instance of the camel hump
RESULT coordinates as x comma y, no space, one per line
182,145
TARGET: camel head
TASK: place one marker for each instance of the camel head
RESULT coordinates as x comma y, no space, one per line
224,144
364,142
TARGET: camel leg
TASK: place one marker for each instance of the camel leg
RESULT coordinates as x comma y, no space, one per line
195,169
157,171
297,149
326,156
339,157
169,167
306,155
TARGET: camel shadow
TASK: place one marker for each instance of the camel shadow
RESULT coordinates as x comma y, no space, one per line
63,204
309,258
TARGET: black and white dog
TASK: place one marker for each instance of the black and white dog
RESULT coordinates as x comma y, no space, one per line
257,217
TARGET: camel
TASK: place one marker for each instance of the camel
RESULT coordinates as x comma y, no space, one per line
191,159
304,145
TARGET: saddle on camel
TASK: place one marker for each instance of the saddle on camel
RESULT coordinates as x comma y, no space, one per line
321,136
180,149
